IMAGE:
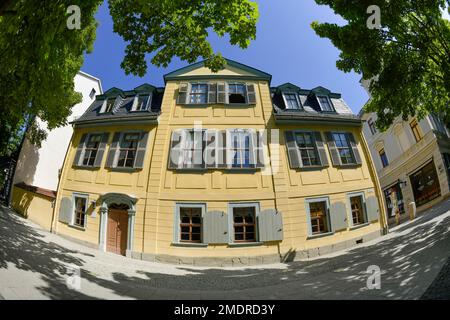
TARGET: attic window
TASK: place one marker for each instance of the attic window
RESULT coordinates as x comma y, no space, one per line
291,101
142,103
92,93
236,93
325,103
109,105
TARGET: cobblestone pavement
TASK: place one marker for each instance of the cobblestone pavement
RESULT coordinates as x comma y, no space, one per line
414,262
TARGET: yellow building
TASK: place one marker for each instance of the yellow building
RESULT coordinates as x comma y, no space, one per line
219,169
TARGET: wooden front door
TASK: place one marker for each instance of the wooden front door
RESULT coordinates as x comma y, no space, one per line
117,231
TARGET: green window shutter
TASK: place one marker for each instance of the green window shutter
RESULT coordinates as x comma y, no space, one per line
211,148
199,142
293,152
140,153
355,150
175,149
215,227
338,216
65,210
251,95
373,212
270,225
112,150
321,149
212,92
182,93
77,160
222,149
221,93
101,150
261,143
335,158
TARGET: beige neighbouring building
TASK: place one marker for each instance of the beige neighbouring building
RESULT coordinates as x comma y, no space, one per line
412,159
181,174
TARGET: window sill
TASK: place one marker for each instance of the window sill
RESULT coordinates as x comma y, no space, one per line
124,169
312,168
85,167
77,227
358,226
189,245
316,236
348,166
244,244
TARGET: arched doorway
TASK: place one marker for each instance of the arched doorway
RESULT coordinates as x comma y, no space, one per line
117,215
117,233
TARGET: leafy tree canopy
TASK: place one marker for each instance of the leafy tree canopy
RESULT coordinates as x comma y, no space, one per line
407,60
40,55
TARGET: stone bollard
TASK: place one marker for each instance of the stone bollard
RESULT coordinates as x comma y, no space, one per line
412,210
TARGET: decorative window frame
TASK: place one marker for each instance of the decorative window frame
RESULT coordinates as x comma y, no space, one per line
349,209
83,151
72,220
325,199
312,132
116,155
349,147
176,223
233,205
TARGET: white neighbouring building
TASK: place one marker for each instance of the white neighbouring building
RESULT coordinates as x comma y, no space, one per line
412,159
37,172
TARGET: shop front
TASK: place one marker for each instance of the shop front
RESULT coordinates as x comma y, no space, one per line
394,201
425,184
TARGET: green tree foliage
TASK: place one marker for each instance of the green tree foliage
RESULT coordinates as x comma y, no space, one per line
407,60
40,56
168,28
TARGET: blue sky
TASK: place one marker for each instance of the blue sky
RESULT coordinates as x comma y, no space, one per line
285,47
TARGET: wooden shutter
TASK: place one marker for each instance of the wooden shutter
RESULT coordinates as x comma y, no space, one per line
355,150
253,145
112,150
65,210
321,149
211,148
373,212
81,145
251,95
175,149
261,144
199,139
221,93
182,93
335,158
215,227
101,150
222,149
140,153
293,152
270,225
212,92
338,216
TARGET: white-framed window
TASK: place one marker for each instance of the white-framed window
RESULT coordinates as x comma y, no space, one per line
291,101
80,205
308,149
188,223
193,144
141,102
372,126
91,149
198,93
127,150
344,148
243,223
318,211
237,93
356,204
325,103
108,105
240,146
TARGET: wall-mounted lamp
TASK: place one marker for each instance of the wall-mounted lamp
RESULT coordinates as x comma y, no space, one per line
401,183
93,204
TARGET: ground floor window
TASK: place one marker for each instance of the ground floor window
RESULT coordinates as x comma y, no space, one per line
446,157
358,210
191,225
425,184
244,224
80,208
394,194
319,216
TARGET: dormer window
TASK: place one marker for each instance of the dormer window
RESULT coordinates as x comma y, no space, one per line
141,102
325,103
291,101
108,105
237,93
92,93
199,93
